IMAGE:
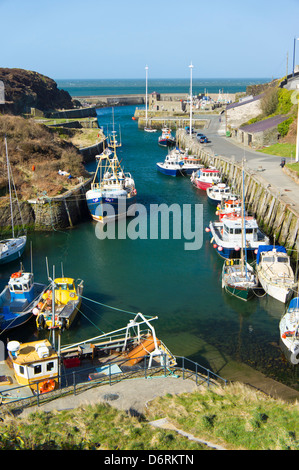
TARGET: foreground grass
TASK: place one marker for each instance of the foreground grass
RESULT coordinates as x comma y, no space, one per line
235,417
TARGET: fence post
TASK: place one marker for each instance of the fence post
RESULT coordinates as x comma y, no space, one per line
37,389
145,367
74,382
196,373
183,368
164,364
208,378
110,375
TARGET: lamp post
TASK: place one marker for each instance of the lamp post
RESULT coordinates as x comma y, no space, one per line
297,139
294,54
190,127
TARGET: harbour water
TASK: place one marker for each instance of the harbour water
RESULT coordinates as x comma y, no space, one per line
197,319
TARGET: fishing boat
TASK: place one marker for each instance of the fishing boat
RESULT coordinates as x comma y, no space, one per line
178,162
226,236
19,299
112,191
166,139
218,192
205,178
275,272
228,207
289,331
59,310
36,364
12,248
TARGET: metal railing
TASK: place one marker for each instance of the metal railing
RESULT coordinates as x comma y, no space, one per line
76,382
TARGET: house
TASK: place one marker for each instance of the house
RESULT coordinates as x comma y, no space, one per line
247,108
261,133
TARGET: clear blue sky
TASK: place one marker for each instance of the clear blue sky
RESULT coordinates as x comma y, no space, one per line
117,38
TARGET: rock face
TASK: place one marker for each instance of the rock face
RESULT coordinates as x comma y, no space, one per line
25,89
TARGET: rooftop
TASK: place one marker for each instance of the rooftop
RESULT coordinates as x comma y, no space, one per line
261,126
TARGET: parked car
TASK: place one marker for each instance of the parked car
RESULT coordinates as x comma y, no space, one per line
203,140
187,129
199,135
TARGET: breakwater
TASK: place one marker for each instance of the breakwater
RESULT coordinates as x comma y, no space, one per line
276,217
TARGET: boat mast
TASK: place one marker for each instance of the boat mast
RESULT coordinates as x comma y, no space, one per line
9,185
190,127
146,69
243,252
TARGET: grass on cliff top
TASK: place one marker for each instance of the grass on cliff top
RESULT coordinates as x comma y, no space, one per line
235,417
36,153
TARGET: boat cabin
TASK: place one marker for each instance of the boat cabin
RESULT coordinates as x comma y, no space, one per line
34,363
21,286
232,229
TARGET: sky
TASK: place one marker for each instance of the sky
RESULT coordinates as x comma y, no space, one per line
117,38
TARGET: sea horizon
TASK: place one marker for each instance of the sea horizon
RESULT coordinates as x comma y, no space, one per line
128,86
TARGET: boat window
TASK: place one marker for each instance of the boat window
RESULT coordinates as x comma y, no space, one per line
238,231
249,230
50,366
281,259
17,287
21,370
268,259
37,369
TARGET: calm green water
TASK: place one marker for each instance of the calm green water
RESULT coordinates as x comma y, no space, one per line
158,277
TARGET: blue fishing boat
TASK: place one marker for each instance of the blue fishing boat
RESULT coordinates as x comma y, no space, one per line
226,236
19,299
112,191
178,162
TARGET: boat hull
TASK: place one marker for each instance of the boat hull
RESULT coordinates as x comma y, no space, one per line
15,251
120,207
166,142
282,294
239,292
203,185
169,171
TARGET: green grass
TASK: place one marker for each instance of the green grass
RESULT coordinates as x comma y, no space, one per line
235,417
282,150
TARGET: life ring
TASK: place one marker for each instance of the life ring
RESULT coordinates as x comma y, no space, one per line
72,295
16,275
46,386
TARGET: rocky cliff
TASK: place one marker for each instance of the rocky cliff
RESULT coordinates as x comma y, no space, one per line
25,89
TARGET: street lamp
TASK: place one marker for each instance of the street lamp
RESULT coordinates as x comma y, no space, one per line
295,39
297,140
190,127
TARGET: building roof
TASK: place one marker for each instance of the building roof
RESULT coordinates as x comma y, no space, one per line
242,103
264,125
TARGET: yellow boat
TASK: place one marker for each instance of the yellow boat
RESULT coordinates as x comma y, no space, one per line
35,364
67,295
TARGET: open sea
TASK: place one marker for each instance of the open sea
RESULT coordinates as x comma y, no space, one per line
137,86
196,318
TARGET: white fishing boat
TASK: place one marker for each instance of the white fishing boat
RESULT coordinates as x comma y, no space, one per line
275,272
12,248
228,207
218,193
179,162
289,331
226,236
